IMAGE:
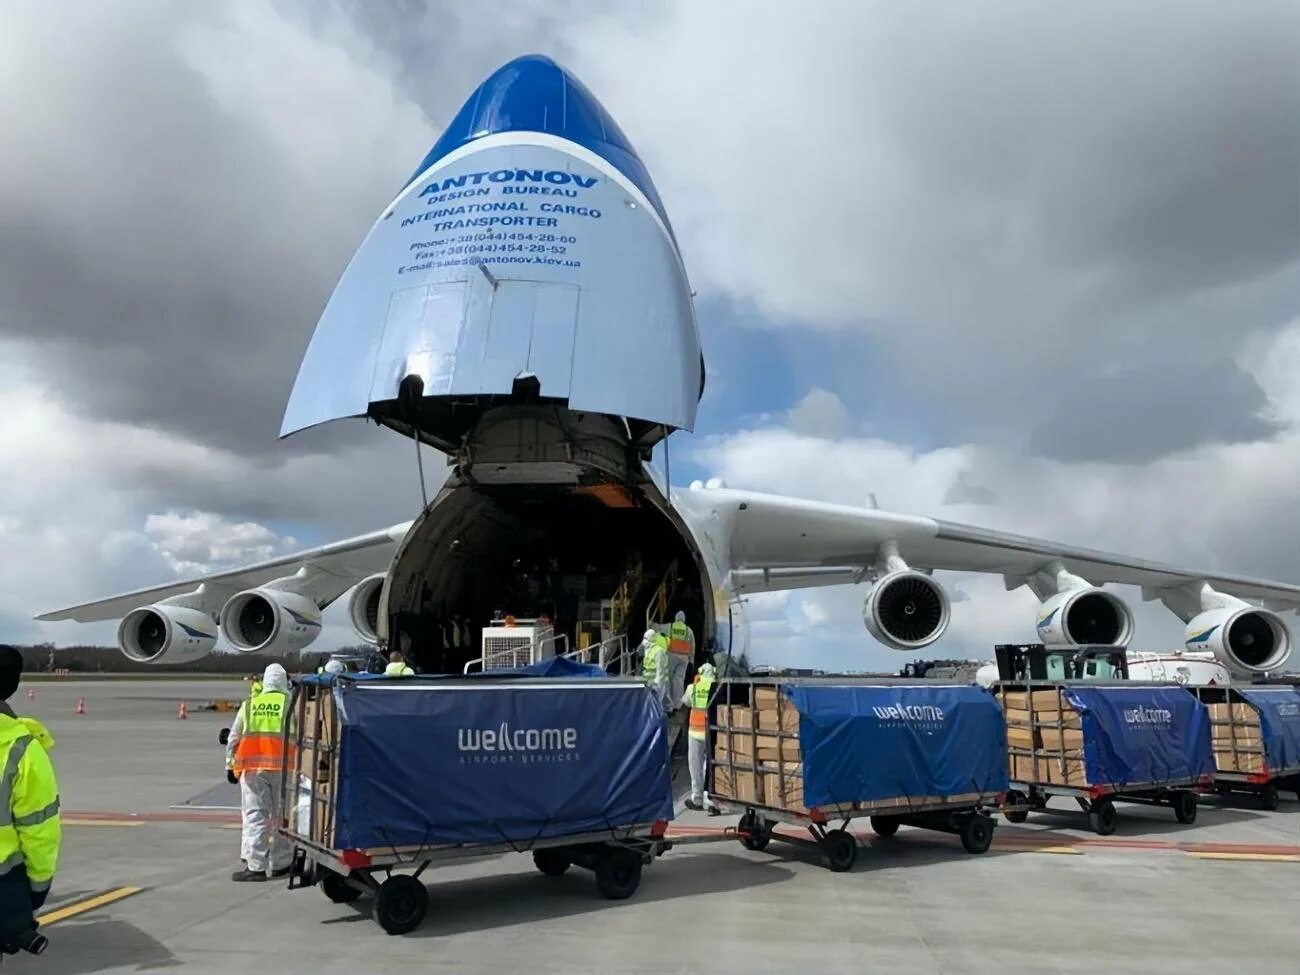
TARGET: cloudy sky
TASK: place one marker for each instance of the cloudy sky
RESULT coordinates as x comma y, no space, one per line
1034,266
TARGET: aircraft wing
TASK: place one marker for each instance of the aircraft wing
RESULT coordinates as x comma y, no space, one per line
787,543
351,560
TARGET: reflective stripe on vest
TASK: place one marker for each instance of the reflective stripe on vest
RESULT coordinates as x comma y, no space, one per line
679,638
261,747
699,720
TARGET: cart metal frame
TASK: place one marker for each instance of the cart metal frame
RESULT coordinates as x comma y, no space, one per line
972,820
615,854
1096,801
1263,785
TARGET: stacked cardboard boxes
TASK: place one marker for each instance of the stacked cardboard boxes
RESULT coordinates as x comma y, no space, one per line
317,755
1237,738
756,757
1044,737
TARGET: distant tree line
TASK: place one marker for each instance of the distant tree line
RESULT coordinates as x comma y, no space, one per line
47,658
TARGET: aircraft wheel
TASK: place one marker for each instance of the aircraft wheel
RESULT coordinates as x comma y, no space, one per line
884,826
977,834
618,873
401,903
841,848
1102,816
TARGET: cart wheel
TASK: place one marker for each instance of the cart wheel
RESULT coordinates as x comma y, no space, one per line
552,861
618,873
1185,807
1102,817
337,889
1016,798
884,826
401,903
754,833
841,849
977,834
1268,796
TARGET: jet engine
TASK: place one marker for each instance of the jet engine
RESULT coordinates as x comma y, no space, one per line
906,610
270,620
363,607
1245,639
166,634
1086,616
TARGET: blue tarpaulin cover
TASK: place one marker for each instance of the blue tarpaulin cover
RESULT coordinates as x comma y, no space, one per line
1279,723
863,743
1136,735
492,760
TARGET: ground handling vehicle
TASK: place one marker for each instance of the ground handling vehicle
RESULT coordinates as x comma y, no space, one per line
1255,730
386,777
808,752
1098,741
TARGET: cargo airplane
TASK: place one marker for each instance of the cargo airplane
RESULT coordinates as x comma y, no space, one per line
505,309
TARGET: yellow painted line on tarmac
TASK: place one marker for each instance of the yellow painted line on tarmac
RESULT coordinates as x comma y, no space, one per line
89,904
1072,850
102,822
1269,857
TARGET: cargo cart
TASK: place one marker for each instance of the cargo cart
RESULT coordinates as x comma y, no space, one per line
812,752
1255,729
1099,741
573,770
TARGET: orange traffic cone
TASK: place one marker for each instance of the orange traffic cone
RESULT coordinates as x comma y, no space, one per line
81,705
181,712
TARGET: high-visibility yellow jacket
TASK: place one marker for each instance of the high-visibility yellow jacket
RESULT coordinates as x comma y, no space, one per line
256,742
398,669
30,830
697,699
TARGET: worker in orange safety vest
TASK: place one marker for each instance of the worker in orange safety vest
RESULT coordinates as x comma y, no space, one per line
255,752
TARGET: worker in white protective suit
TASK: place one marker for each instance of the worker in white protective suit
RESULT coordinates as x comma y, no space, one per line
255,753
333,666
654,664
681,652
696,698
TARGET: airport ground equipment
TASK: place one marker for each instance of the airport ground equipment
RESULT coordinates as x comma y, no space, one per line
1098,741
812,752
389,776
1255,730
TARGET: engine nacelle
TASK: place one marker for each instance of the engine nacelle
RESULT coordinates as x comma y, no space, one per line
270,621
363,607
1084,617
1245,639
162,634
906,610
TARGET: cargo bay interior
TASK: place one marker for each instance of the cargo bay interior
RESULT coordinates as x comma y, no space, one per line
598,559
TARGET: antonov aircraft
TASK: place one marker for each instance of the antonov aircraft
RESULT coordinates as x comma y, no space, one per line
506,308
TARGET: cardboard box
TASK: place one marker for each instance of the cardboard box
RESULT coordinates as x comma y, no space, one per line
1026,768
1067,719
1020,736
1239,732
1054,739
1016,716
773,749
782,791
1238,712
1069,772
766,698
735,785
1241,762
742,718
737,742
1037,700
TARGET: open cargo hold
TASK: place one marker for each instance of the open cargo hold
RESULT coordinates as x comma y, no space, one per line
1255,730
811,751
1098,742
405,773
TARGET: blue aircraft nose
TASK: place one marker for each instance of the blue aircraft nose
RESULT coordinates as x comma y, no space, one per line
534,94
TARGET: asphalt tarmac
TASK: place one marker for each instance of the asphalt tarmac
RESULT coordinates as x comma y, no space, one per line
144,884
